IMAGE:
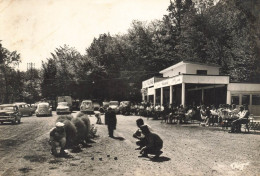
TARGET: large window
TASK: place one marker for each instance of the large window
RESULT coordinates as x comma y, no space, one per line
255,99
245,99
235,99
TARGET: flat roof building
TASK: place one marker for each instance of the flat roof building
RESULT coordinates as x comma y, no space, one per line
191,83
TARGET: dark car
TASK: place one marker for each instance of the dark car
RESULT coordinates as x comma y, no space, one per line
24,108
9,113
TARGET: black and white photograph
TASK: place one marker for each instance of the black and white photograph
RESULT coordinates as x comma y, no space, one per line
130,87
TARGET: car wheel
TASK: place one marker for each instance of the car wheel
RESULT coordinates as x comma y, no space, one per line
37,115
2,123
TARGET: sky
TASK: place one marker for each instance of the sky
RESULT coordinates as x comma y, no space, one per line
34,28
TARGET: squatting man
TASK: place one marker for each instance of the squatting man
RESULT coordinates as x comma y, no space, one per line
58,139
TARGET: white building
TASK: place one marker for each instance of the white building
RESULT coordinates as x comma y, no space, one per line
190,83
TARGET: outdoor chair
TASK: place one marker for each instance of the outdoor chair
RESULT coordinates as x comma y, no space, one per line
246,124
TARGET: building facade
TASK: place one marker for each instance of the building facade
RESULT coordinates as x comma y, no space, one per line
190,83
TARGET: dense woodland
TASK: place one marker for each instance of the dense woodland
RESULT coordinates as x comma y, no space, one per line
114,66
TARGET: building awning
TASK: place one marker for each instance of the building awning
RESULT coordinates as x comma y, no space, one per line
193,79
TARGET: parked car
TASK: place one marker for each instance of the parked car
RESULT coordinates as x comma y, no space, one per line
63,108
24,108
34,107
114,105
67,99
125,107
87,107
9,113
43,109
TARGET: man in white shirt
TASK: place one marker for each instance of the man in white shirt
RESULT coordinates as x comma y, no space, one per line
243,115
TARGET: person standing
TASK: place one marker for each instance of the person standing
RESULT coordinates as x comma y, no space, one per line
110,121
97,115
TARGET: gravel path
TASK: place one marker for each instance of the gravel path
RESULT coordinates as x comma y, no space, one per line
188,150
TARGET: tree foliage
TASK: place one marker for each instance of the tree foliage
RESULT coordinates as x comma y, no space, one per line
225,33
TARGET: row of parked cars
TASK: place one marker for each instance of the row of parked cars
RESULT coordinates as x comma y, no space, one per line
14,112
87,106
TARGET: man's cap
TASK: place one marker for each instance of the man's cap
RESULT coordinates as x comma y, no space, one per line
109,108
59,124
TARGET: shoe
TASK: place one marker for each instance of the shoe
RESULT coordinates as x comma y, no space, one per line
143,156
158,154
62,153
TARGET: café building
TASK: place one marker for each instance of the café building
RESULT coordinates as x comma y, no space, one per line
190,83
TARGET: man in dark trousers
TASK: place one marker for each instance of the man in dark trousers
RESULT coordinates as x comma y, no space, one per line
154,143
110,121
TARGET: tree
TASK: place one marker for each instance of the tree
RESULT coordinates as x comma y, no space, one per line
8,86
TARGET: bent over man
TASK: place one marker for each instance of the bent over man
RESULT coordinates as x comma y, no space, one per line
154,143
58,138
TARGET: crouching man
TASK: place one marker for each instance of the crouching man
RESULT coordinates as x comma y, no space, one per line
58,139
154,143
138,135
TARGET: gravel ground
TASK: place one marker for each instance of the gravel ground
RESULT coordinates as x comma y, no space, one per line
188,150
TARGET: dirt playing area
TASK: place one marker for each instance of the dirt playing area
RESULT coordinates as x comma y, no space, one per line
188,150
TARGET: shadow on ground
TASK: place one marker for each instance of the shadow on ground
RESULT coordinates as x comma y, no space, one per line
119,138
160,159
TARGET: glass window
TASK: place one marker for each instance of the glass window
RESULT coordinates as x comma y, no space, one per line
235,99
202,72
255,99
245,99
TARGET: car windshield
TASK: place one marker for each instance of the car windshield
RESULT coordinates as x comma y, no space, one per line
113,103
125,102
87,103
8,108
63,103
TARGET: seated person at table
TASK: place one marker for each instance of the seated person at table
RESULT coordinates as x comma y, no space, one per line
214,115
154,143
181,113
190,114
234,111
205,113
243,115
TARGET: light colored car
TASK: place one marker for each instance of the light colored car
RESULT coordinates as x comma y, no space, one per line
9,113
87,106
114,105
24,109
63,108
43,109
